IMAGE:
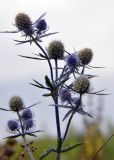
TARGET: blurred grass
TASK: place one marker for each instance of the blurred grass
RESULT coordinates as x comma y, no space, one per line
45,143
92,136
85,152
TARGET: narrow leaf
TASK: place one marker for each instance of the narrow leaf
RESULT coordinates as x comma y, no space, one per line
36,85
33,105
48,83
82,112
47,95
49,34
62,106
31,57
67,114
31,134
4,109
14,136
71,147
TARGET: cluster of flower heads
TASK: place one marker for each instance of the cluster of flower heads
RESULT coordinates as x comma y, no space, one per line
25,116
58,83
24,24
37,29
75,63
83,57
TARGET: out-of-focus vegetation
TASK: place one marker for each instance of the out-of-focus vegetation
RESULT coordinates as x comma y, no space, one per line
92,136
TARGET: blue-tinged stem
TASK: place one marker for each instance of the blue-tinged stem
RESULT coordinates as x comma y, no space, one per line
23,136
67,127
39,46
59,139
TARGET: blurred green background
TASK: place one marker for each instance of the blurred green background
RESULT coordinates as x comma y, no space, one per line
92,135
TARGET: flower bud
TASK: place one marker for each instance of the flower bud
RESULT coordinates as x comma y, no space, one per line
73,61
27,114
81,85
42,25
65,95
16,104
56,50
28,124
12,125
85,56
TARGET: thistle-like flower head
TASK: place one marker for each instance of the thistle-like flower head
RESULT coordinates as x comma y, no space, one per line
85,55
12,125
41,25
28,124
56,50
27,114
73,61
16,104
65,95
81,85
23,23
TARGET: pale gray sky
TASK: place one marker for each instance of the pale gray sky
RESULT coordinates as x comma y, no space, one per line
81,23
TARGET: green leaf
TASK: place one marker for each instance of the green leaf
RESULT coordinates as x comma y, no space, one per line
71,147
48,83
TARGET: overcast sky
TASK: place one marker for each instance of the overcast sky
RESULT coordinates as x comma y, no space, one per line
81,23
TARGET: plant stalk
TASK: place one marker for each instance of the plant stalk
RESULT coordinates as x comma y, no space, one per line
23,136
59,139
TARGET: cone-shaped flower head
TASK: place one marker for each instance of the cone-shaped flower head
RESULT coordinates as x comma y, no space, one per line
85,56
42,25
56,50
12,125
81,85
23,23
73,61
16,104
65,95
27,114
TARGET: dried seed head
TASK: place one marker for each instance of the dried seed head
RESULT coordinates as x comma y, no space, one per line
56,50
23,23
85,56
16,104
81,85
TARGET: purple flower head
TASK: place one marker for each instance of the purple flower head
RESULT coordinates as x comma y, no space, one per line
27,114
28,124
41,25
12,125
72,60
76,101
65,95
